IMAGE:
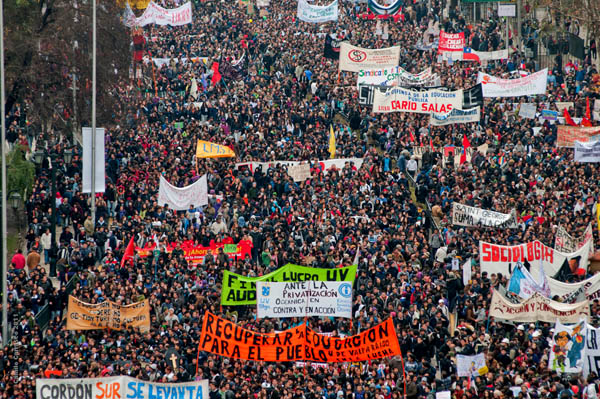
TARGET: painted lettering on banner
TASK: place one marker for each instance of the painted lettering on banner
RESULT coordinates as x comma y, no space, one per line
354,58
431,101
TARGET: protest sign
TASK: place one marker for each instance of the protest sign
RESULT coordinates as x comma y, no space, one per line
181,198
473,97
241,290
195,254
453,42
396,76
495,258
527,110
117,387
470,366
549,115
565,242
456,116
304,298
98,166
568,346
315,13
299,172
562,105
576,292
398,99
108,314
155,14
526,86
325,165
206,149
587,152
537,308
465,215
354,58
224,338
568,135
591,363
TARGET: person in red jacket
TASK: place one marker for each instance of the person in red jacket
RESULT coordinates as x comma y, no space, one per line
18,260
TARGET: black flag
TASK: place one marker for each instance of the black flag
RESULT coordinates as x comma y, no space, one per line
332,48
473,97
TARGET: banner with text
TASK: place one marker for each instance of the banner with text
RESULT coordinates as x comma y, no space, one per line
224,338
495,258
396,76
591,363
181,198
117,387
155,14
453,42
241,290
315,14
587,152
354,58
108,314
195,254
398,99
456,116
465,215
527,86
576,292
325,165
567,135
304,298
565,242
537,308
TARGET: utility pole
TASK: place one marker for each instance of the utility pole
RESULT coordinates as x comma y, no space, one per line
74,88
94,113
520,41
5,338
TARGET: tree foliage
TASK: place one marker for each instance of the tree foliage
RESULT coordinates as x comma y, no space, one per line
20,172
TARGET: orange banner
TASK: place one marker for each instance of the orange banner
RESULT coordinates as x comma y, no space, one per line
88,316
224,338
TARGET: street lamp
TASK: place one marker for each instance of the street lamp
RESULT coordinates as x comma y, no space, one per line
15,201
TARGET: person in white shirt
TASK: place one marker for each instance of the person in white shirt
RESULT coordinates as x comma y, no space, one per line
46,243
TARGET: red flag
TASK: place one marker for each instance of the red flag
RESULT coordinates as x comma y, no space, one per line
216,77
466,143
129,252
431,143
568,118
463,156
412,136
587,120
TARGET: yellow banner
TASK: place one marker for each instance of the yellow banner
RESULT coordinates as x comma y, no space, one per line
88,316
206,149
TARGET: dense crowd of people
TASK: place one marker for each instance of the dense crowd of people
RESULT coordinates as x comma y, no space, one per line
276,101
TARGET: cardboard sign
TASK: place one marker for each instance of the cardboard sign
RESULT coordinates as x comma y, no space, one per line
206,149
537,308
224,338
304,298
354,58
87,316
241,290
299,173
117,387
431,101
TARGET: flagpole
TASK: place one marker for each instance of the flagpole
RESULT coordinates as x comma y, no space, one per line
4,192
93,189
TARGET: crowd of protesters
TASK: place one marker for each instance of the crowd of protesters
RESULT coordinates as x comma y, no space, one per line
276,101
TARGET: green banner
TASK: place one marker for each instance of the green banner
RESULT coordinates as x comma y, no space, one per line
241,290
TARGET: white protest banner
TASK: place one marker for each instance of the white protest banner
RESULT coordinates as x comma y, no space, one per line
537,308
180,199
572,292
456,116
471,55
495,258
470,366
465,215
396,76
587,152
300,172
98,168
567,135
527,110
568,347
304,298
398,99
315,14
117,387
325,165
467,272
565,242
155,14
562,105
591,363
354,58
527,86
453,42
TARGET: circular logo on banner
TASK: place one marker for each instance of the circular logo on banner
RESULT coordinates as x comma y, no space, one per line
266,291
345,290
357,55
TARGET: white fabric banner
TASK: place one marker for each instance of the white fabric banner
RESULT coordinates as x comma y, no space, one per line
495,258
587,152
537,308
315,14
354,58
397,76
485,55
86,159
527,86
398,99
155,14
467,272
470,366
465,215
119,387
181,198
565,242
568,347
326,164
304,298
456,116
527,110
591,362
572,292
523,284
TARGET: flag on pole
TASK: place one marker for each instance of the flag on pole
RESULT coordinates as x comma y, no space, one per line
465,142
586,121
129,252
331,142
568,119
216,77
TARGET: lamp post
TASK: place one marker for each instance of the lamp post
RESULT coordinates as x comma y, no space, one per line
38,158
